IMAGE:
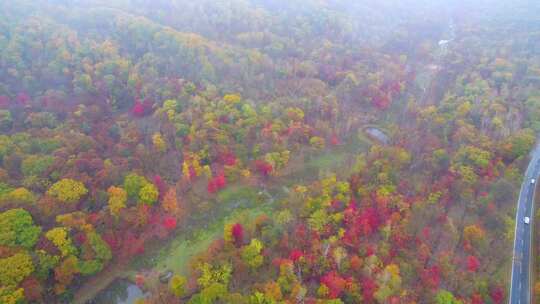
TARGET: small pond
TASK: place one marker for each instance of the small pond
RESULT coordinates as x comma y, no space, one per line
378,135
119,292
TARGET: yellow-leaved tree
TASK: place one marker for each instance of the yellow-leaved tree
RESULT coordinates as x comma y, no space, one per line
60,238
68,190
159,142
178,285
15,269
117,200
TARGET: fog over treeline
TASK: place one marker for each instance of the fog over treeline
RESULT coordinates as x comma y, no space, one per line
268,151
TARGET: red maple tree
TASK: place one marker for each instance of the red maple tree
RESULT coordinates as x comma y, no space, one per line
473,263
335,284
238,234
263,167
169,222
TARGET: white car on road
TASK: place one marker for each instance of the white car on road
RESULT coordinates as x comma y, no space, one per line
527,220
533,181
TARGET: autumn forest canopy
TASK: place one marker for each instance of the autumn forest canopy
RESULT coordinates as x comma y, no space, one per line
264,151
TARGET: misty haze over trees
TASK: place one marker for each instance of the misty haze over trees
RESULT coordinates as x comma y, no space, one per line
264,151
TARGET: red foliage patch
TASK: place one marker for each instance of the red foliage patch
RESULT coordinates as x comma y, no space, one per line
142,109
473,263
227,158
224,119
301,234
169,222
335,284
295,255
432,277
111,240
160,185
368,289
370,250
497,295
477,299
352,205
368,221
138,110
23,99
132,245
381,101
263,167
238,234
334,140
217,183
153,218
355,263
93,218
221,182
426,233
211,188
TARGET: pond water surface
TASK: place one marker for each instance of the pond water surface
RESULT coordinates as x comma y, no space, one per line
119,292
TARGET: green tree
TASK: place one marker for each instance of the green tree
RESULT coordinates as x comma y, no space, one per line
5,189
533,112
17,229
445,297
260,298
318,220
90,267
133,184
519,144
251,254
45,262
470,155
210,294
36,164
6,120
101,249
148,194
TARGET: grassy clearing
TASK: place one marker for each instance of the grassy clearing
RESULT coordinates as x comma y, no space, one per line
336,160
237,194
327,161
181,250
233,203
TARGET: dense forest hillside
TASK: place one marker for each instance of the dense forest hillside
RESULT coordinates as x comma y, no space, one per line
264,151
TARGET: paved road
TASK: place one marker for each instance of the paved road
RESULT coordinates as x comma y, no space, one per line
520,286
